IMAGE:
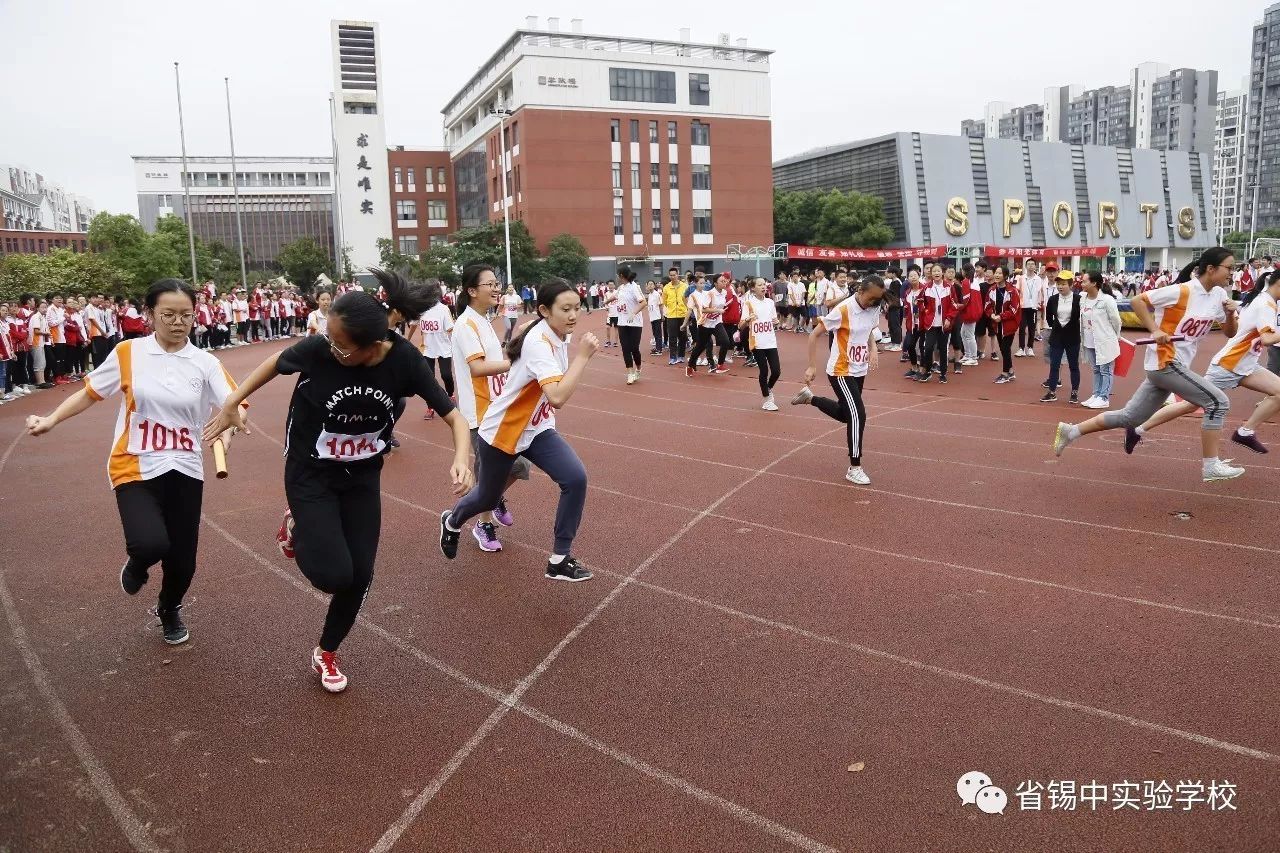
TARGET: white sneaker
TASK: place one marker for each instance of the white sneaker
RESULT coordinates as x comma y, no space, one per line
631,377
857,476
769,404
1220,470
1061,438
803,398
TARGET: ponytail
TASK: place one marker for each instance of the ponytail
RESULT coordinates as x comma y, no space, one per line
470,279
547,295
1209,258
365,317
1098,279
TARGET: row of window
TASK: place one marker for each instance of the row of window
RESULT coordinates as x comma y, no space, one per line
700,176
699,133
407,209
41,246
510,138
260,179
409,245
427,174
701,221
656,87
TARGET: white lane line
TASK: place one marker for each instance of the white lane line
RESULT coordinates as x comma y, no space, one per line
507,702
124,815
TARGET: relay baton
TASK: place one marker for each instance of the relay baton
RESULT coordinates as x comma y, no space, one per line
220,459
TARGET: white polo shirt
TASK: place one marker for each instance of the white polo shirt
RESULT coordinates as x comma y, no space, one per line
851,348
1182,309
522,410
473,340
435,324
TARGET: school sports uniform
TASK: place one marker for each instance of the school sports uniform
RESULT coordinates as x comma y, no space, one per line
629,304
1240,356
762,340
847,366
474,340
708,309
435,326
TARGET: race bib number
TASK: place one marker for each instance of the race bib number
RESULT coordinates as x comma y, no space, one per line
762,327
860,354
1192,328
430,325
496,384
150,436
544,412
711,316
340,447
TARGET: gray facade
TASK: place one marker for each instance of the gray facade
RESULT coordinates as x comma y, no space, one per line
1023,123
1183,104
1263,126
1100,117
953,190
973,127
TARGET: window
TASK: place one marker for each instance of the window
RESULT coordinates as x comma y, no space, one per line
515,133
438,240
671,133
617,176
359,109
637,84
702,222
675,220
408,245
440,178
615,130
436,210
701,177
406,209
617,223
656,225
635,130
517,180
635,222
700,133
653,131
635,176
506,138
700,90
412,186
654,180
673,176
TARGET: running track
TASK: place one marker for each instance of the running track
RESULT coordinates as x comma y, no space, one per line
755,627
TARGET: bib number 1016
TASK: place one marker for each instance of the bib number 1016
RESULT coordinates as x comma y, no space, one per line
148,436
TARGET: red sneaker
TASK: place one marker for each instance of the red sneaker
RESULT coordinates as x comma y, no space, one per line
284,536
429,415
720,369
689,371
325,665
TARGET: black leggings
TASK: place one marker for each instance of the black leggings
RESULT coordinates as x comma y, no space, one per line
848,409
446,371
242,331
337,518
161,521
657,329
1028,327
675,337
703,345
770,369
629,340
1006,353
935,338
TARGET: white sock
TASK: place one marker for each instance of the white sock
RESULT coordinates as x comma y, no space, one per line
1073,432
556,559
1209,462
1245,431
450,526
1140,430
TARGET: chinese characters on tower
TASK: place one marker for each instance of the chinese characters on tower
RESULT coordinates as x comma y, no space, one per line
362,141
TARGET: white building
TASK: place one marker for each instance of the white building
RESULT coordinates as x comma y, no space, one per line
30,202
363,194
1228,161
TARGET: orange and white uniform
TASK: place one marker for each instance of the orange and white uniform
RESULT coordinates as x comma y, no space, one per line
38,330
435,324
57,320
1241,353
762,322
522,411
851,348
167,398
1182,309
708,307
475,340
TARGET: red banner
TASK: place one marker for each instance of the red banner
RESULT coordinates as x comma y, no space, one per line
1046,252
827,253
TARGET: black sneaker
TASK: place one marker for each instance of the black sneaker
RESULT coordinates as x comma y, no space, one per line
922,377
942,380
175,630
910,374
1044,384
1131,439
1249,441
131,581
1075,398
1049,397
394,442
448,537
567,569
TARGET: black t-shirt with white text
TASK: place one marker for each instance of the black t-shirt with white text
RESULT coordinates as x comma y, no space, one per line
345,414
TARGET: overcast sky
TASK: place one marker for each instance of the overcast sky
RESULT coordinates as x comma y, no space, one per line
88,83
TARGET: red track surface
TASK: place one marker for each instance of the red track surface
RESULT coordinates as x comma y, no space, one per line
756,625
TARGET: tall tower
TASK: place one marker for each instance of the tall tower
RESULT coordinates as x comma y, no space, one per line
363,197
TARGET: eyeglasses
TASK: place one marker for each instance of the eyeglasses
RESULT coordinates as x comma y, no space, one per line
339,353
169,318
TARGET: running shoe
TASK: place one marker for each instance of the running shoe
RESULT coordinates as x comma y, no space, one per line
284,536
567,569
1131,439
1031,353
502,515
1044,384
1088,404
923,377
672,362
1019,353
175,630
803,398
487,536
942,380
751,362
1002,379
771,406
131,581
689,370
857,476
1220,470
448,536
1074,398
45,386
1061,438
632,376
1249,441
429,415
1049,397
995,356
910,374
325,665
702,362
719,370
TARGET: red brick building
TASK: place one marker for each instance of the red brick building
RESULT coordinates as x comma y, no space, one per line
422,207
41,242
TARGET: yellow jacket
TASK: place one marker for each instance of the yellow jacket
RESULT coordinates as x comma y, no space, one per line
673,303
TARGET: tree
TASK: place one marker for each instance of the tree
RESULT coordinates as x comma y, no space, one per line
302,261
144,257
485,244
566,258
795,215
851,221
63,271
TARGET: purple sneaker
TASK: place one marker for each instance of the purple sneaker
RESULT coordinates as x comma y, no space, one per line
1249,441
503,516
1131,439
487,536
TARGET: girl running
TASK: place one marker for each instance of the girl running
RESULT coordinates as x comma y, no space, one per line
854,321
1238,364
708,309
156,469
1186,308
510,311
480,373
1003,318
436,326
521,422
630,304
760,320
339,417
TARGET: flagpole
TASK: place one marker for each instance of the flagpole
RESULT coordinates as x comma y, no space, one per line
186,177
337,213
235,183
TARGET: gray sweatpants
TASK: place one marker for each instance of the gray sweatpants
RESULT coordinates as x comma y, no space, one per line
1155,389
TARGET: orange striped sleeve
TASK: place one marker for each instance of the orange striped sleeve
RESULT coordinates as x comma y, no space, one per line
1238,351
123,466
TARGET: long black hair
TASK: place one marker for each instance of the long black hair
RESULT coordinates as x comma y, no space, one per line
470,278
1097,278
169,285
547,295
365,317
1208,258
626,273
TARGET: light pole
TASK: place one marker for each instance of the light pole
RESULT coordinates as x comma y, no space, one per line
502,113
235,183
186,177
